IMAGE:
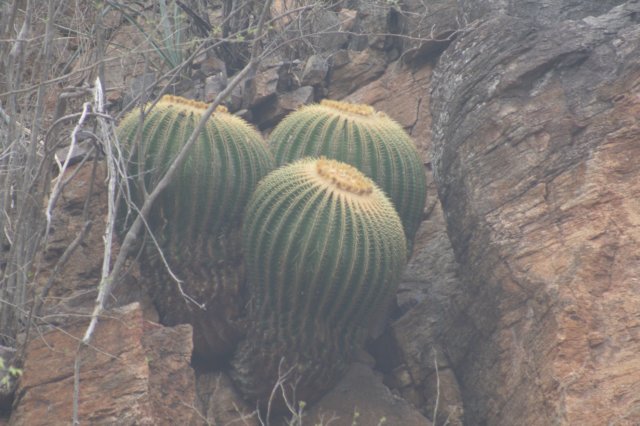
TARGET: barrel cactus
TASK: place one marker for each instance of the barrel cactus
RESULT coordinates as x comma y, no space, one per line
196,220
324,249
369,140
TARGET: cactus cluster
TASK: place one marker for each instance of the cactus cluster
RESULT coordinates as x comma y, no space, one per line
196,220
308,254
369,140
324,251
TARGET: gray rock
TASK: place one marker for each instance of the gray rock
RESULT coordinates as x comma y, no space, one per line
315,71
213,85
545,12
220,404
361,398
79,151
372,26
263,86
136,87
269,113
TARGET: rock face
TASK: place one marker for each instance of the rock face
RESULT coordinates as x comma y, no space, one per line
542,11
535,155
219,403
361,398
521,302
134,373
71,287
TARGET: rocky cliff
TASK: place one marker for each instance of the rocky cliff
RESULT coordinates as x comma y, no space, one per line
521,303
535,148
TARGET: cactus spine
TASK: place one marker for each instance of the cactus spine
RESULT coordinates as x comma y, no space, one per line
196,219
324,249
358,135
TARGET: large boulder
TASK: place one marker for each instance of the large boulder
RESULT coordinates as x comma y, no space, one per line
134,372
535,148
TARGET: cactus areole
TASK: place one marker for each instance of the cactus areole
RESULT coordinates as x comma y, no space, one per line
324,251
365,138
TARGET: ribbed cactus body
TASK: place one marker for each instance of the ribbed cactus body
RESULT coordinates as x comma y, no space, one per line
196,219
324,248
369,140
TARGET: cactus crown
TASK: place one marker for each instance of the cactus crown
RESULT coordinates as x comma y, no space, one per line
343,177
355,109
188,104
368,140
210,190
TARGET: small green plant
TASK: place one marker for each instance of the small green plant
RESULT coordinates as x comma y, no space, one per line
369,140
169,39
8,374
194,226
324,249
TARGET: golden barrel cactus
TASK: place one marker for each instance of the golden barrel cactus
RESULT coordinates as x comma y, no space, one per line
359,135
324,249
196,220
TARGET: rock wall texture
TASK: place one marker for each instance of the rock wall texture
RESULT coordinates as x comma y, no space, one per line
521,303
542,11
535,154
133,373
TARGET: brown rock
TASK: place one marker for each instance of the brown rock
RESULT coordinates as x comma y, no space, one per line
73,287
403,93
220,403
361,398
209,64
171,378
428,27
270,113
263,86
444,398
315,70
535,147
350,70
127,376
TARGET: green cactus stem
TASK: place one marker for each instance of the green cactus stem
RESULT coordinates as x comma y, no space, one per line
324,249
196,220
369,140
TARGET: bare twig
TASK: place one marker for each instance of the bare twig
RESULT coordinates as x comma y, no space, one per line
435,364
63,167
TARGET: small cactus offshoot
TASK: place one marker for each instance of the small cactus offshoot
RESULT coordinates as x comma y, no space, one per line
369,140
324,249
196,220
